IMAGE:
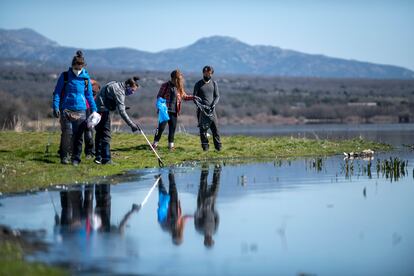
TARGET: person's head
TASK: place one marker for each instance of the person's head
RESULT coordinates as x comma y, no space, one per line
96,87
208,72
78,62
131,85
177,79
208,241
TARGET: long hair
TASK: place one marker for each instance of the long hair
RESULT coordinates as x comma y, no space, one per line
177,79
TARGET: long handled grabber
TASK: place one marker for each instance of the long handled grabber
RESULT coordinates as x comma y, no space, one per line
49,138
160,163
137,207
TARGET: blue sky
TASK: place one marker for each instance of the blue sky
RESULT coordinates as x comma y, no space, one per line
375,31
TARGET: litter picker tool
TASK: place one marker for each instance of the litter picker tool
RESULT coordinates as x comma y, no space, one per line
138,207
49,138
160,163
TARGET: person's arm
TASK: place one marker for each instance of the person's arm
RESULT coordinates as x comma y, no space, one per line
195,90
216,95
57,93
163,90
187,97
122,224
89,97
120,103
195,93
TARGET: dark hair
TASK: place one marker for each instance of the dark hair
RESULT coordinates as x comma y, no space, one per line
208,68
131,82
78,59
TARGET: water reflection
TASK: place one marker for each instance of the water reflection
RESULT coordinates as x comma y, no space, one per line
169,211
206,217
356,209
79,217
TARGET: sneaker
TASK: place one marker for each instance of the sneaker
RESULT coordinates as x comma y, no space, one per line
171,148
97,161
155,146
75,163
65,161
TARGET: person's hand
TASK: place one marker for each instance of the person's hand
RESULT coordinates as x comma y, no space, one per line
197,98
135,127
56,113
136,207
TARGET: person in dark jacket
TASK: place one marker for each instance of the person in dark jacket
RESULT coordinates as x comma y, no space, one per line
173,92
72,92
112,97
207,90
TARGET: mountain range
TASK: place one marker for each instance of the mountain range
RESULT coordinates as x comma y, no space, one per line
26,47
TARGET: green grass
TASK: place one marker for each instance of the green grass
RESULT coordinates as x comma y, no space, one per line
13,263
24,165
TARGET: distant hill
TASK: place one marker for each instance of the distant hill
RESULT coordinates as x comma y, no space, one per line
26,47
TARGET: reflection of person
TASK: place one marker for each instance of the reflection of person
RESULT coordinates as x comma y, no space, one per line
76,210
206,218
169,211
78,215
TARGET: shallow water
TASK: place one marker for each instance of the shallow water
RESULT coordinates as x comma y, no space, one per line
279,218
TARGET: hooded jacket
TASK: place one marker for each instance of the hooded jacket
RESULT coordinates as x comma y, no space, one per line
112,97
76,96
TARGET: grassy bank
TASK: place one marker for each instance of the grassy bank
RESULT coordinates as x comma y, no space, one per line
12,262
24,164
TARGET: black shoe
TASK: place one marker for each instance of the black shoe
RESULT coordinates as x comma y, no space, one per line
108,162
205,148
97,161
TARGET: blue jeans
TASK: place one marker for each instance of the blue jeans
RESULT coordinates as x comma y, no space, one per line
74,123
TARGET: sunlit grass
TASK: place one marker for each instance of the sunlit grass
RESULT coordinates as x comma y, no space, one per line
24,164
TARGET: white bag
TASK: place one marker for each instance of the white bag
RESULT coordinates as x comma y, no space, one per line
93,120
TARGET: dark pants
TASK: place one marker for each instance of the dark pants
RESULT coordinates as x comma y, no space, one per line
88,136
212,125
103,138
65,147
72,133
103,205
172,124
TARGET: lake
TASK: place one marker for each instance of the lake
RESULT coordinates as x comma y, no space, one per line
323,216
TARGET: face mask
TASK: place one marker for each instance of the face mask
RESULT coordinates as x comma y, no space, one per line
129,91
76,72
206,79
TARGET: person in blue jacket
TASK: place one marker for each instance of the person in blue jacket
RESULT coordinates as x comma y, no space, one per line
72,91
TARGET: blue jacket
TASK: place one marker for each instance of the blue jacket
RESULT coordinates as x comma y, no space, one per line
75,95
